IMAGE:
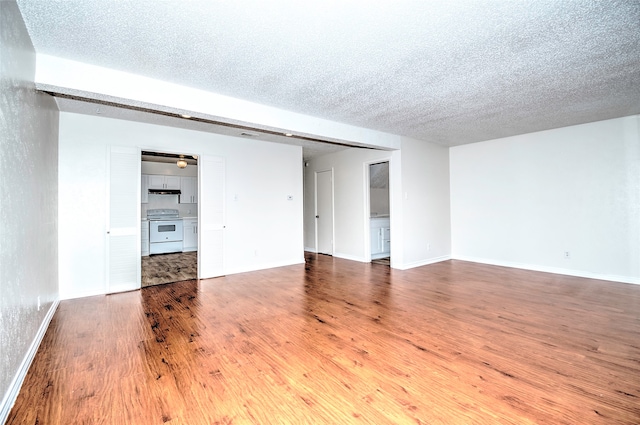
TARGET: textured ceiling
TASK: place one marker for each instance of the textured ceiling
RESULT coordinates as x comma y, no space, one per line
449,72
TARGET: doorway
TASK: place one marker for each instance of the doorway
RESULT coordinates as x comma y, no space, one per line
379,213
324,212
169,195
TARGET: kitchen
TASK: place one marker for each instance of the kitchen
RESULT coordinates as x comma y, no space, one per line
169,217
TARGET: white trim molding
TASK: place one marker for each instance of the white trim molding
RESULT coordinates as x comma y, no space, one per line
350,257
555,270
18,379
420,263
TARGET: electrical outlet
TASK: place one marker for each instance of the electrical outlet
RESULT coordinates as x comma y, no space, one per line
428,247
567,255
38,302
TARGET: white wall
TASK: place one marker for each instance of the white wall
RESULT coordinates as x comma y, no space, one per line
350,208
419,202
524,201
424,204
28,206
263,228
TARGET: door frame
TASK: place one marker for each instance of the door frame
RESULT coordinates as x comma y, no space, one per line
367,206
205,270
333,208
173,152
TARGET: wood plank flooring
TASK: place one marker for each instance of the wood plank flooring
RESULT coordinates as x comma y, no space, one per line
341,342
168,268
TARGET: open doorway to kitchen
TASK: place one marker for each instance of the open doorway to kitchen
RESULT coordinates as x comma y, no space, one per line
169,217
379,213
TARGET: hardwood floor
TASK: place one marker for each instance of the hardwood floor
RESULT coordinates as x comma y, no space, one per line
339,342
384,261
168,268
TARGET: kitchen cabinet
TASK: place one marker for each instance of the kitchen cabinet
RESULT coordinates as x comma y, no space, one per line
144,191
188,190
144,238
190,232
157,181
380,237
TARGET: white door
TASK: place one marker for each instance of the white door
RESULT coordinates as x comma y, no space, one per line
211,216
324,212
123,220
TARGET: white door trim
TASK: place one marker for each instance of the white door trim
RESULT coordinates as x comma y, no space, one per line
211,216
367,205
316,212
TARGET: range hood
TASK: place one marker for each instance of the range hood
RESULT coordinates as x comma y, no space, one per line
164,191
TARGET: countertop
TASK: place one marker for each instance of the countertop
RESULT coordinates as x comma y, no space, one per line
179,218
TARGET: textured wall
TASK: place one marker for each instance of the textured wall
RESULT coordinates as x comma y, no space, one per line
28,197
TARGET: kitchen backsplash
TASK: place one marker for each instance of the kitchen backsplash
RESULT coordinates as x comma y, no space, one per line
169,201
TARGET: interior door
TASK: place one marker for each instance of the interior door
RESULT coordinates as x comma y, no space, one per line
324,212
211,216
123,220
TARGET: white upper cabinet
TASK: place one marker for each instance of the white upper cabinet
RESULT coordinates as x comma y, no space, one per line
188,190
156,182
172,182
164,182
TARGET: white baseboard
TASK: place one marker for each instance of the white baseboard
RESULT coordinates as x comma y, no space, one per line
72,295
556,270
379,256
350,257
393,265
421,262
307,249
14,388
124,287
263,266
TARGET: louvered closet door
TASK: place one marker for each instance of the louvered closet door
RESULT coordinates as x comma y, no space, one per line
123,221
211,217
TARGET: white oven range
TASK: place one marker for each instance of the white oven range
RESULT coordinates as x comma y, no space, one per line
165,231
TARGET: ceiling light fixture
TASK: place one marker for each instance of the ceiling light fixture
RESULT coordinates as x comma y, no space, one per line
185,116
288,134
182,163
